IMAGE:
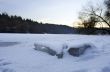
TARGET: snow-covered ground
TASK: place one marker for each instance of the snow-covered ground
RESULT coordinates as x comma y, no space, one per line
17,53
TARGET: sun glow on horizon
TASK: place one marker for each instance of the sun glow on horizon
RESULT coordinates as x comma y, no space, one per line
59,22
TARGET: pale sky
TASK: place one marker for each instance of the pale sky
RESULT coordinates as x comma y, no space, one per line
46,11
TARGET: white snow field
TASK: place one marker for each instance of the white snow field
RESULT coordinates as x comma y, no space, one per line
17,53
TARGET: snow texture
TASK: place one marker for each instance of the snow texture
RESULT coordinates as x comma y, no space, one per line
17,53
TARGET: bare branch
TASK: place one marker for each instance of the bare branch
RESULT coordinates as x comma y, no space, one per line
95,12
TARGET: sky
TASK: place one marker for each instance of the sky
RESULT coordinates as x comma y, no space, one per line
46,11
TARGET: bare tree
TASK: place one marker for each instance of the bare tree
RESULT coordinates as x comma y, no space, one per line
90,23
92,11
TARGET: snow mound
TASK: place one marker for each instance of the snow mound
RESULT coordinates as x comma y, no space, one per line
58,48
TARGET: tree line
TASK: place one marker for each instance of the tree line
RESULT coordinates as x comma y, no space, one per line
16,24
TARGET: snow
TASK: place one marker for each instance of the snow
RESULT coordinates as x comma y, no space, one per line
54,45
17,53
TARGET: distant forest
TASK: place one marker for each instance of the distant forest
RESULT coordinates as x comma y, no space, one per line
16,24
